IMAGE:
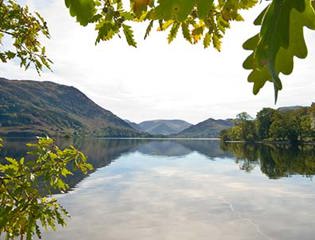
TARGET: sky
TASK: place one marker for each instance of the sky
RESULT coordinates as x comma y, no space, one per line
161,81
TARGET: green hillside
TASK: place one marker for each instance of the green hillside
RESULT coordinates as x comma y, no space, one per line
29,108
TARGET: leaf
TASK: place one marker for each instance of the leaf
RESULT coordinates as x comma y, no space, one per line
138,6
83,10
280,39
65,172
129,35
173,32
207,40
216,42
1,36
148,30
165,25
186,32
12,161
173,9
246,4
106,31
203,8
197,32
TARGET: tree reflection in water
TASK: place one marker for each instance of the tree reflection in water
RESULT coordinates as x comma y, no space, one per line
275,161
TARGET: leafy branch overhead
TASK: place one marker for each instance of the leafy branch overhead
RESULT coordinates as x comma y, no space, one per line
20,31
280,39
24,183
273,48
197,19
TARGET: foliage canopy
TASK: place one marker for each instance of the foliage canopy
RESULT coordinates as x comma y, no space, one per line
280,38
290,125
272,50
19,36
26,186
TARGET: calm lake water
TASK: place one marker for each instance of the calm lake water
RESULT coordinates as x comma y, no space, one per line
188,190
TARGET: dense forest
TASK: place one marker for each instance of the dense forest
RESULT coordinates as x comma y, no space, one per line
288,124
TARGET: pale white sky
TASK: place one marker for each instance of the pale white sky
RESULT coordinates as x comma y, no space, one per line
161,81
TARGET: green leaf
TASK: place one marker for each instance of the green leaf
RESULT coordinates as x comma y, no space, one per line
203,7
281,39
216,42
246,4
106,31
148,30
65,172
129,35
173,32
207,40
173,9
186,32
1,36
83,10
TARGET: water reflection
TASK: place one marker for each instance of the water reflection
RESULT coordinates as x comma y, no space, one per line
149,189
274,161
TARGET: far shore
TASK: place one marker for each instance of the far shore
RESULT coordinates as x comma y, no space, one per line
164,138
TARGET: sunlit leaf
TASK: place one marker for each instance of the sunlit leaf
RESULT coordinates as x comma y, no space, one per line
280,39
83,10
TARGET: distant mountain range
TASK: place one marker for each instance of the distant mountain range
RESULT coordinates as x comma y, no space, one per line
29,108
209,128
33,108
161,127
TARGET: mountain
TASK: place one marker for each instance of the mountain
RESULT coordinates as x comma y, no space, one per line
134,125
29,108
290,108
209,128
163,127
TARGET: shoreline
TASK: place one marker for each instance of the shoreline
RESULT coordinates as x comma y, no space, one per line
159,138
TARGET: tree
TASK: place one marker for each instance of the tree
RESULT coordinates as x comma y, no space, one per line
263,121
301,121
280,129
312,116
244,129
26,186
272,50
243,116
288,124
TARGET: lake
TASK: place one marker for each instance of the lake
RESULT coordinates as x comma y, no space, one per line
188,190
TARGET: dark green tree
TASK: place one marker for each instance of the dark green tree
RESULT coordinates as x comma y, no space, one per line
263,122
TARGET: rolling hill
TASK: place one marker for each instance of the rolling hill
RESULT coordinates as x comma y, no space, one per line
29,108
161,127
209,128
